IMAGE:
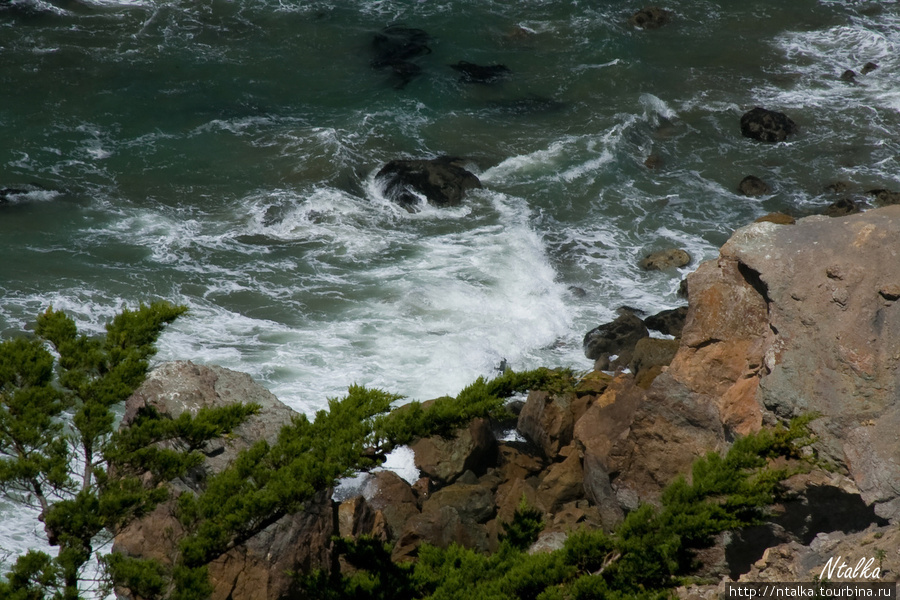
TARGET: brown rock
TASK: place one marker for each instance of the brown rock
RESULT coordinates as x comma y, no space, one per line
643,439
777,218
665,259
453,515
388,493
562,483
443,460
547,420
257,569
650,355
832,343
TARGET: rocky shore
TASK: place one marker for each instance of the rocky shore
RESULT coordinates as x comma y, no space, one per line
790,320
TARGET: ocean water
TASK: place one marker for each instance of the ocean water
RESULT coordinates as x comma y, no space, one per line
222,154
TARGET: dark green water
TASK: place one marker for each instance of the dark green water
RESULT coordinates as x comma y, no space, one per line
221,154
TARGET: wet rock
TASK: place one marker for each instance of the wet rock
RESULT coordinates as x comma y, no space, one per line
884,197
753,186
617,337
838,187
766,125
842,208
651,17
472,73
668,322
848,75
653,162
868,68
672,258
440,181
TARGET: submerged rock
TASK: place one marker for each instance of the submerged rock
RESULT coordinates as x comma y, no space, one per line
651,17
885,197
672,258
842,208
753,186
440,181
472,73
766,125
395,47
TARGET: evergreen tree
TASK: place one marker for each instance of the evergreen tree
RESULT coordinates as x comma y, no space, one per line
58,391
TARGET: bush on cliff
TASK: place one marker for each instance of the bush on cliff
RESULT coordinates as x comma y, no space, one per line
57,440
643,558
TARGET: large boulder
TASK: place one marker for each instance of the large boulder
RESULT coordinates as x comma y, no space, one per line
547,420
444,460
439,181
766,125
260,567
801,320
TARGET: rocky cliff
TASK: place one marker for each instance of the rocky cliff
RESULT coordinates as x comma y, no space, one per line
789,320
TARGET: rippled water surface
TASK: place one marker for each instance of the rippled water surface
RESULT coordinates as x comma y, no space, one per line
222,155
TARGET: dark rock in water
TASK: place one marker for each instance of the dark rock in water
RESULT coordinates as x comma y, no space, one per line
532,104
577,292
753,186
397,43
395,47
842,208
868,68
669,322
654,161
848,75
766,125
838,187
652,17
618,337
665,259
442,181
472,73
885,197
5,193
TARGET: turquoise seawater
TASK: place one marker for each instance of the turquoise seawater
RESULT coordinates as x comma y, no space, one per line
222,154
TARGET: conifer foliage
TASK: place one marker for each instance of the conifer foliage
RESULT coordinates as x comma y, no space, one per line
58,392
